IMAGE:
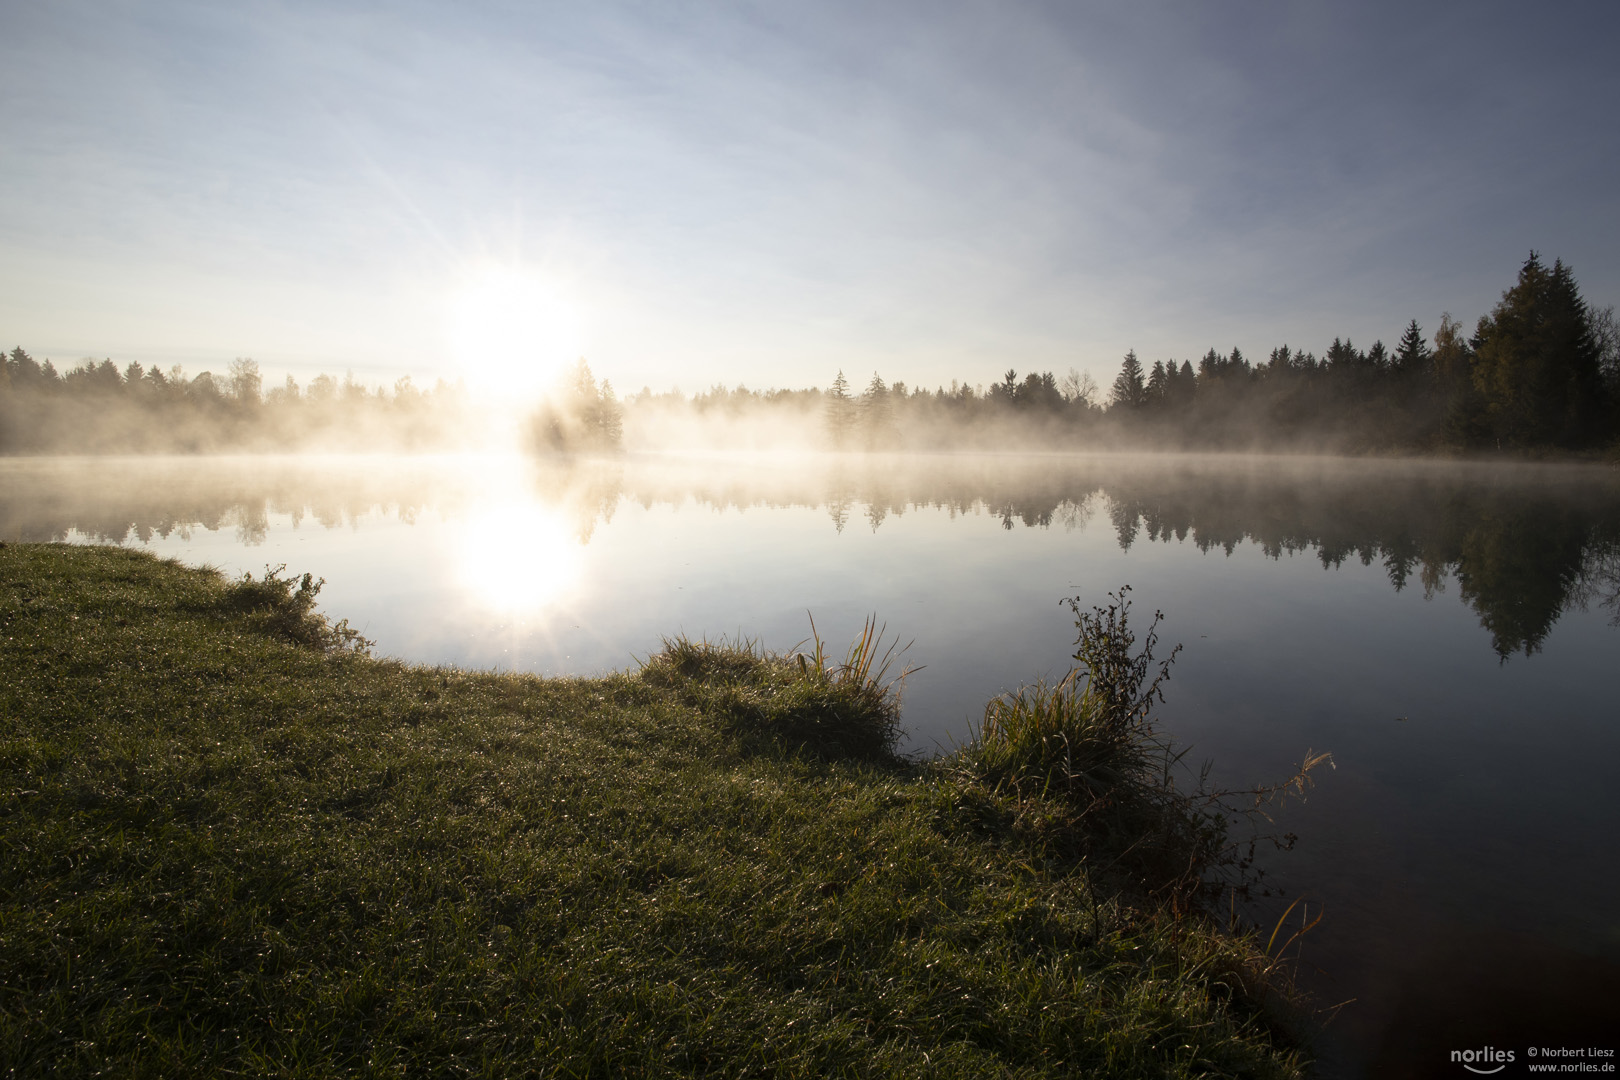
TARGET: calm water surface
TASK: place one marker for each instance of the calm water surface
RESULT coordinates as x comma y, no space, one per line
1448,632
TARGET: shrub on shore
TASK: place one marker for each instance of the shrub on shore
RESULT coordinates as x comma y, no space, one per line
1092,744
284,607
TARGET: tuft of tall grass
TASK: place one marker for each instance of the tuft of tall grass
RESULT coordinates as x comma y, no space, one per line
801,701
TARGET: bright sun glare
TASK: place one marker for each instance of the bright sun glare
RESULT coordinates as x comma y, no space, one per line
519,558
514,333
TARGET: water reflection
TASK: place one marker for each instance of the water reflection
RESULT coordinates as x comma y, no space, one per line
1523,544
518,557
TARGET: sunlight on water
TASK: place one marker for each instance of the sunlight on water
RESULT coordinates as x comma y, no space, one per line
518,558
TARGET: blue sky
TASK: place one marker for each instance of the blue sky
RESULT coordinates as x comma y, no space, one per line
766,193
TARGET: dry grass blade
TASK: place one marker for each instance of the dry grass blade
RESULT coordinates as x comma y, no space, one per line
863,656
866,664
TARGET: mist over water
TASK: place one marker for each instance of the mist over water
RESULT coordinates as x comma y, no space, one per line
1519,545
1442,629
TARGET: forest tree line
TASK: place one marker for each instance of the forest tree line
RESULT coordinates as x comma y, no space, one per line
96,407
100,408
1540,372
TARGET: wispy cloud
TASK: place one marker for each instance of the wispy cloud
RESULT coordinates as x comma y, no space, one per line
768,192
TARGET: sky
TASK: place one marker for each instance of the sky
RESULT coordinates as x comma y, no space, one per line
768,193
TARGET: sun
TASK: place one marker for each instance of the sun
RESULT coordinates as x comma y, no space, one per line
513,333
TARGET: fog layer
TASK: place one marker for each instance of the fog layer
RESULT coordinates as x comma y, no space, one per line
1520,544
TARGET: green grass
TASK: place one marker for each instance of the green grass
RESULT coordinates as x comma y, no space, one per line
231,844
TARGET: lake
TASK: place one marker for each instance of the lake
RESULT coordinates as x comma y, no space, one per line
1447,631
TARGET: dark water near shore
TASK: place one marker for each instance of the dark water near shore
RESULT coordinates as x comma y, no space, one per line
1448,632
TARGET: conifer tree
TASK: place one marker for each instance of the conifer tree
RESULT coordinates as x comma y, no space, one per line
1377,358
1343,356
1535,363
1130,391
1158,383
609,416
1412,353
875,411
840,410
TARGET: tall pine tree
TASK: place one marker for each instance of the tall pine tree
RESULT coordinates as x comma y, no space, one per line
840,411
1412,352
1130,390
1535,362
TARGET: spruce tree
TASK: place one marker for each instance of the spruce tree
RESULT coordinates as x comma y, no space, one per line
1130,391
1535,363
1342,355
875,410
1377,358
1158,383
1412,353
840,410
1576,401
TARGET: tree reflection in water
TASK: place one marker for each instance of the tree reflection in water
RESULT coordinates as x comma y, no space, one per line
1524,543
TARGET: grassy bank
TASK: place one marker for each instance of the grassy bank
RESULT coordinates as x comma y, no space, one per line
234,846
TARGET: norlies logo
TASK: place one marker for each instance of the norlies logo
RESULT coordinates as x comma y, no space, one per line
1484,1061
